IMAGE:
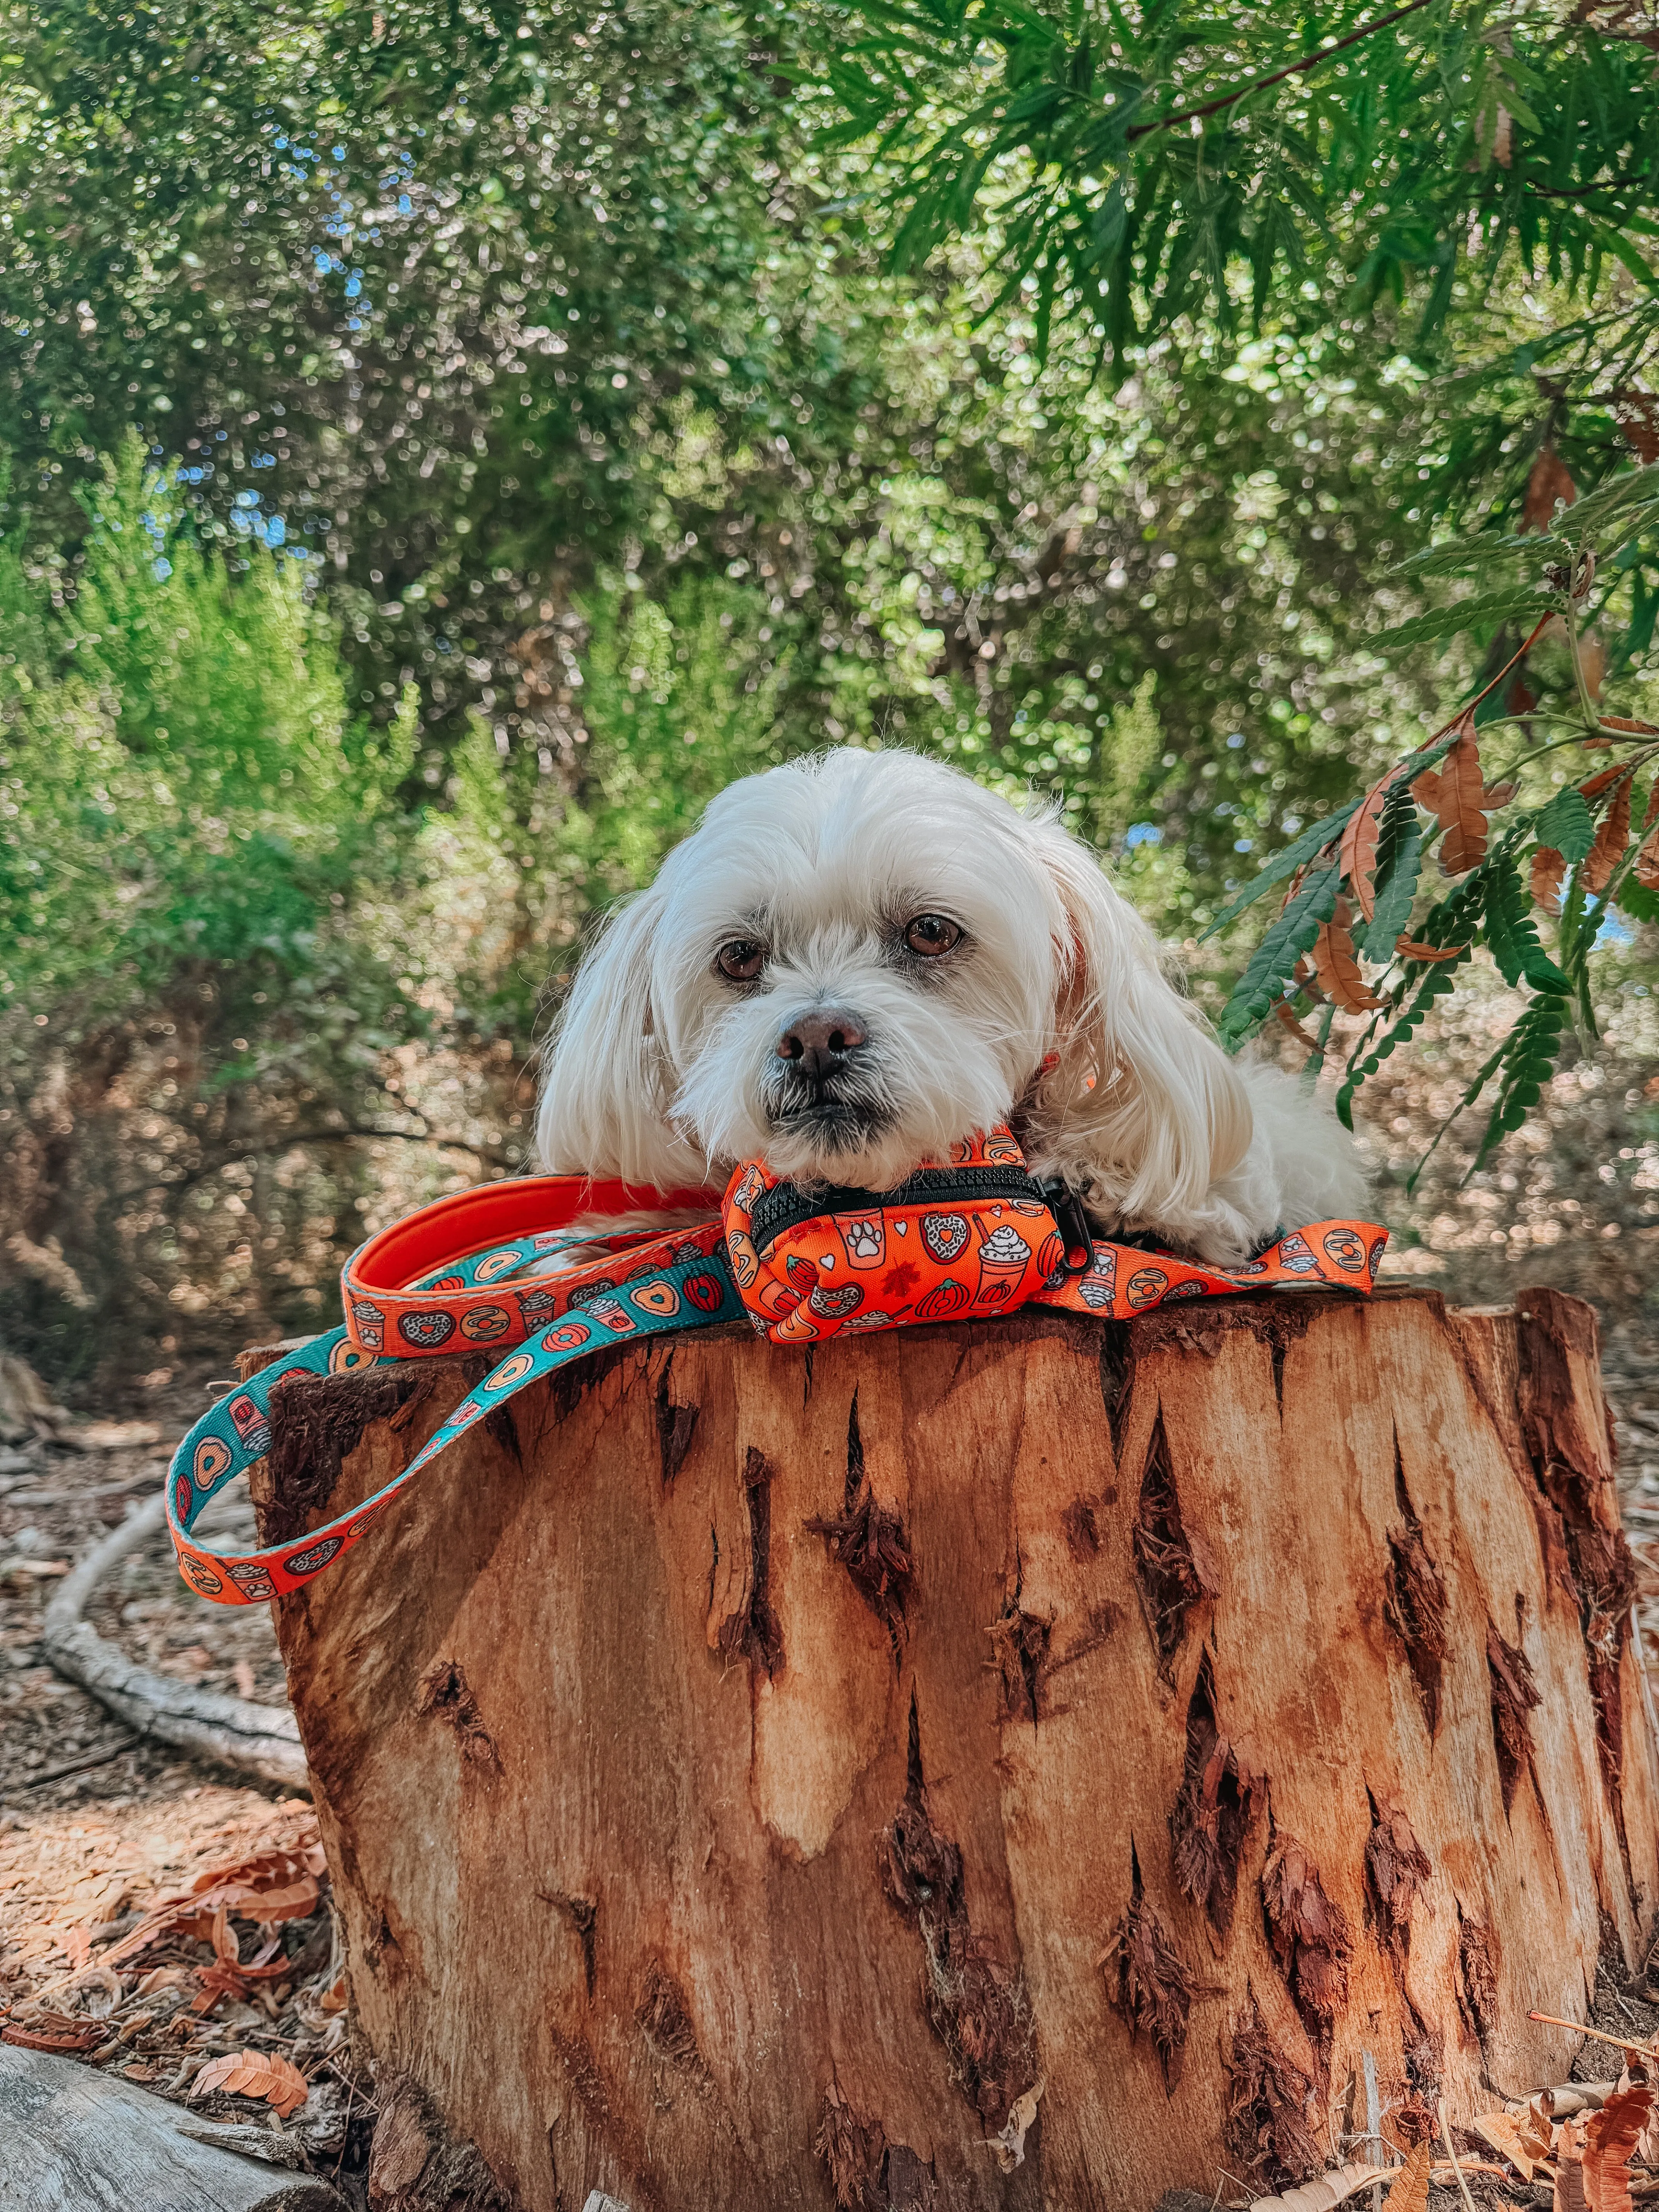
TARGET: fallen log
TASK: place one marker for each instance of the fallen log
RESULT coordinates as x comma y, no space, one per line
75,2139
235,1732
1032,1764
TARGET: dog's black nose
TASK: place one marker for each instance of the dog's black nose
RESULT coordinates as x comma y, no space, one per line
815,1044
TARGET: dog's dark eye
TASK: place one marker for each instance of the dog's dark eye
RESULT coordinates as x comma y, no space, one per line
741,961
930,934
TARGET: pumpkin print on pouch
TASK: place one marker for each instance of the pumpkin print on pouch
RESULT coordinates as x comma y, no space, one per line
944,1299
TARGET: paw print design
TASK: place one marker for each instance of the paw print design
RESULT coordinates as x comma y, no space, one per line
251,1577
864,1239
369,1325
1099,1288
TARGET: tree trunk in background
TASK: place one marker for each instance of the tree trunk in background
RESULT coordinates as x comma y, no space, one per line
1026,1765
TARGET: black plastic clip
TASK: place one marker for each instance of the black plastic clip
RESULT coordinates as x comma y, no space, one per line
1073,1223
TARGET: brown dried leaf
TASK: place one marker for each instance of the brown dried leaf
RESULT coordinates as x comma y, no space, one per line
1626,723
77,1947
1357,854
219,1980
1647,860
1326,2190
1594,786
1338,969
1549,870
1414,948
1610,2137
1461,803
1638,416
1295,1027
1610,839
1536,2126
1548,483
253,2074
1410,2192
47,2030
1570,2168
1505,2136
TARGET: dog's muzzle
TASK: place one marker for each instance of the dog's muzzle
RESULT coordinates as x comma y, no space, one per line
822,1078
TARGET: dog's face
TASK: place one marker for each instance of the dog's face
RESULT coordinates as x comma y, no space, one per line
853,963
851,967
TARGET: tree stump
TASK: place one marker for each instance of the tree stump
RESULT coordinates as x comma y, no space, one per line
1032,1764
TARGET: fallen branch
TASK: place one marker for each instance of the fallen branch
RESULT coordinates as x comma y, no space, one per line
261,1740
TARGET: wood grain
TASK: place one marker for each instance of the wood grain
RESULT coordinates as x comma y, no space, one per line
748,1775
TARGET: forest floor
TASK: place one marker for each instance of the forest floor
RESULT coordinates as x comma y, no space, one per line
96,1826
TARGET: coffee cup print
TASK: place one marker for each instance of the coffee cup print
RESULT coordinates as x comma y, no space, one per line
1003,1256
863,1238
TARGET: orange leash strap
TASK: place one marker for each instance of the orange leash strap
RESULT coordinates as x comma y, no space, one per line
967,1238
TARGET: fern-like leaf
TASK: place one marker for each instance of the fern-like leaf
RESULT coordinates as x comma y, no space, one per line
1529,1056
1399,858
1566,824
1511,933
1291,935
1484,611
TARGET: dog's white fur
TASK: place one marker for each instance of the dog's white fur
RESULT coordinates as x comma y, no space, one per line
663,1072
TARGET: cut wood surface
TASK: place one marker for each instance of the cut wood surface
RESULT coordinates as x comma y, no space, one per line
1024,1764
75,2141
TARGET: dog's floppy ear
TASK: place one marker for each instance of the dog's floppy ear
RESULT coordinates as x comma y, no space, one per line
1167,1114
606,1087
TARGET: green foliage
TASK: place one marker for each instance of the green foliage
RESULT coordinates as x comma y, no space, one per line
1285,941
190,791
1180,167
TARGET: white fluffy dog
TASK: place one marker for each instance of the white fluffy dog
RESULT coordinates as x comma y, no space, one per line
859,958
